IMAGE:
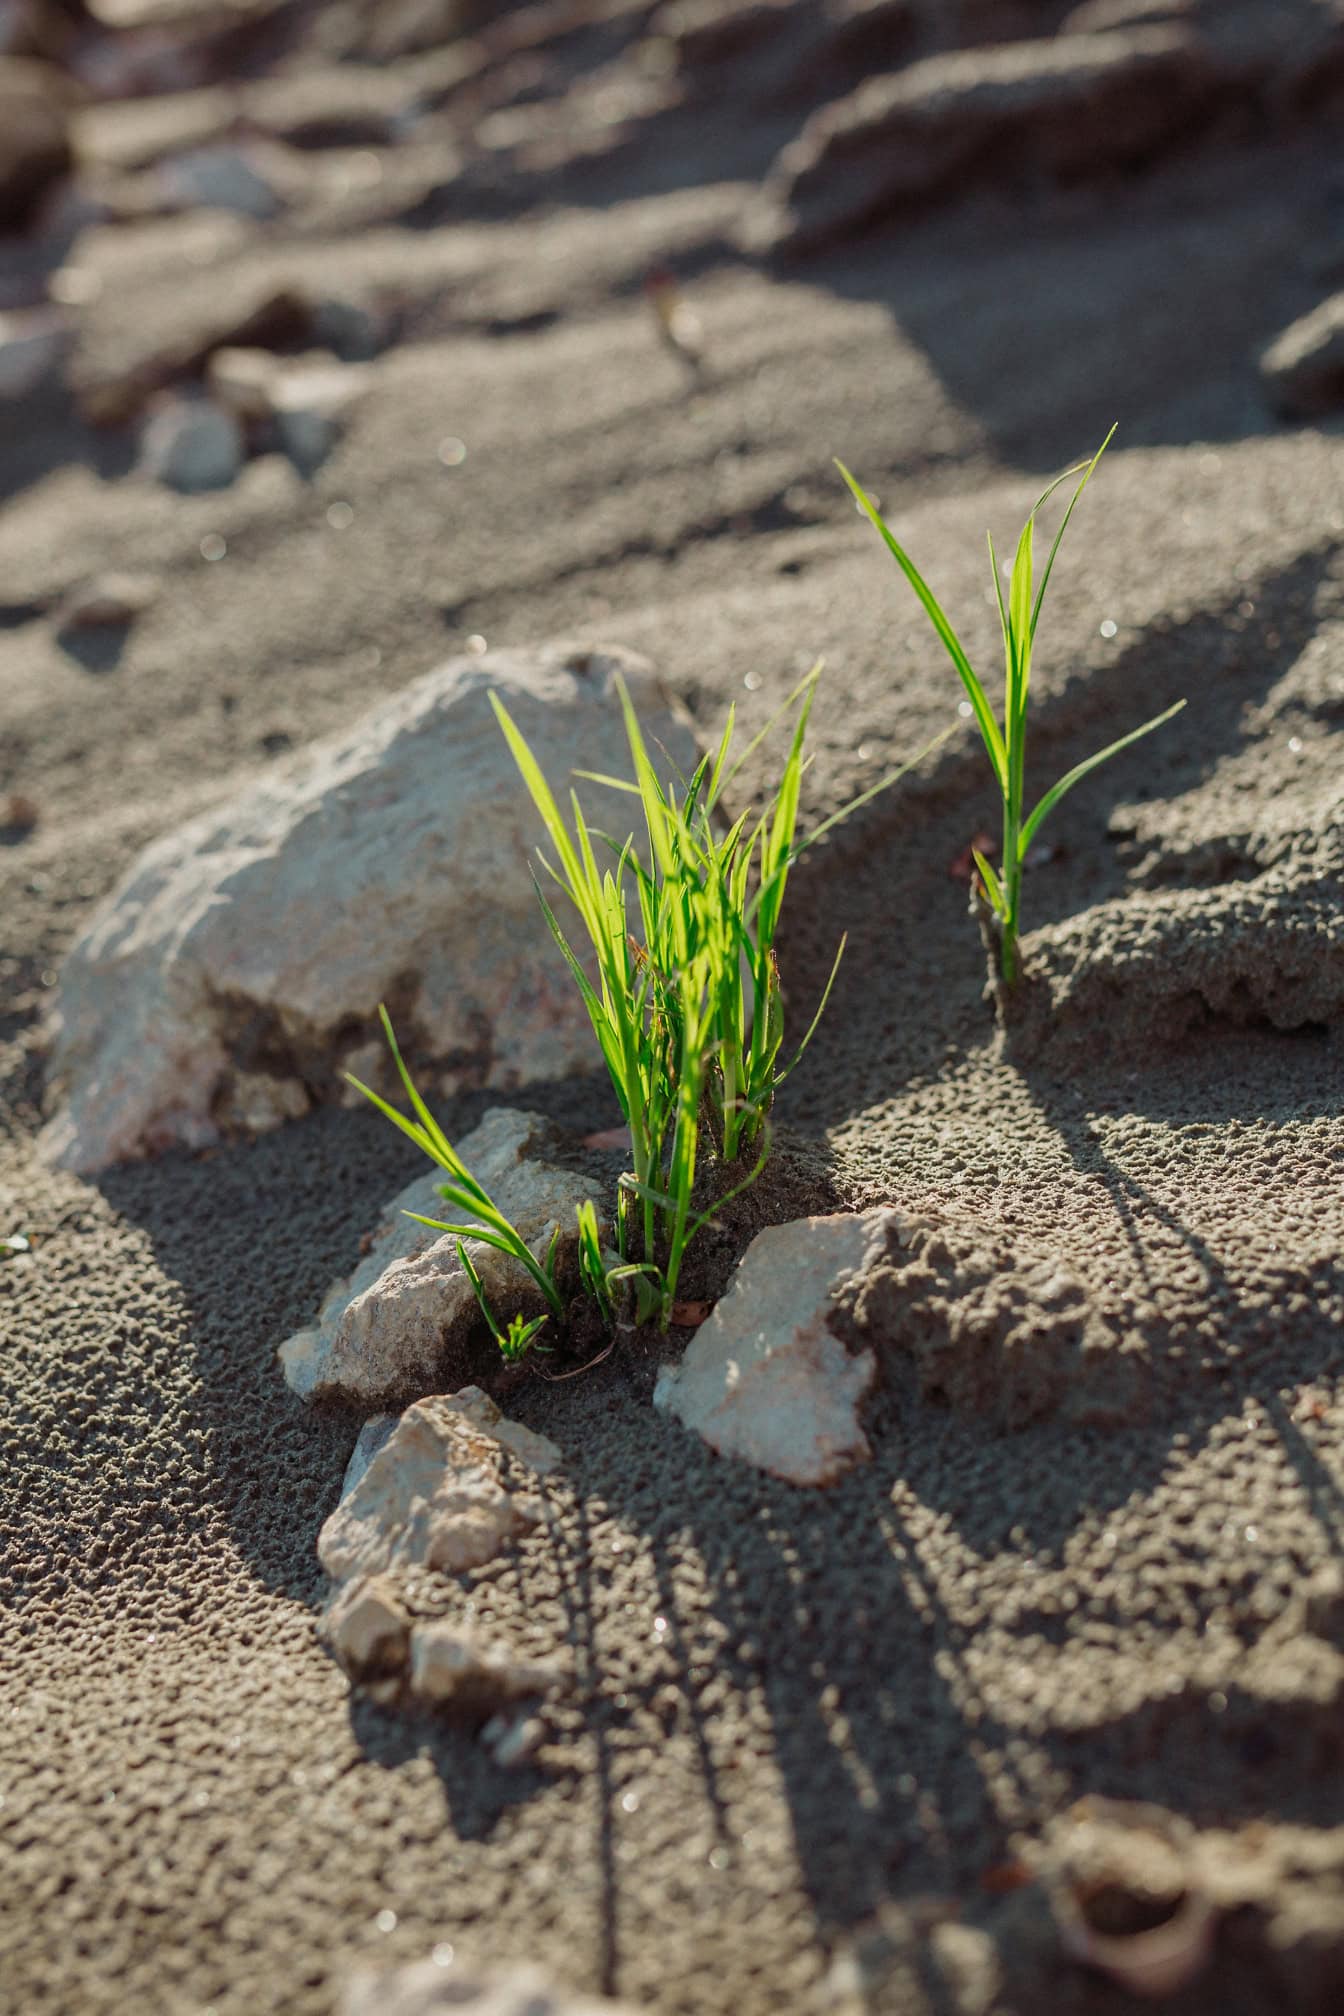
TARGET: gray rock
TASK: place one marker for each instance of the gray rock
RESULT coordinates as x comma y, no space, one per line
1303,368
455,1670
430,1989
401,1323
192,445
220,178
766,1378
311,404
447,1490
33,347
417,816
369,1628
371,1438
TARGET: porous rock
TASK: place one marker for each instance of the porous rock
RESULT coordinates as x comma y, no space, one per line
221,954
1062,109
401,1323
447,1490
1303,368
428,1989
767,1378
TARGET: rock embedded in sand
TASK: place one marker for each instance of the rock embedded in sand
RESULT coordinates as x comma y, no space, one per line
369,1627
1303,368
456,1670
1066,109
403,1321
445,1491
222,955
35,151
767,1378
192,445
428,1989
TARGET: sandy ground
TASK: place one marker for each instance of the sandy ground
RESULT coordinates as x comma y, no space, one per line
795,1710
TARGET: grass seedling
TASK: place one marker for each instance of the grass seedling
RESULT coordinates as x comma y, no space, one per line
687,1011
479,1218
1006,745
517,1340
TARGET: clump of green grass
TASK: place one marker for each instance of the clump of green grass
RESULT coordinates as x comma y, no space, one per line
1006,745
680,931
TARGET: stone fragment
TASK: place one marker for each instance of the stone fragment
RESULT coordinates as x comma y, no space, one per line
766,1378
33,347
35,152
1303,368
1065,109
428,1988
311,403
512,1740
455,1670
403,1321
219,955
442,1492
371,1438
192,445
369,1628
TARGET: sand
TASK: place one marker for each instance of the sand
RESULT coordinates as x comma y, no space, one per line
794,1710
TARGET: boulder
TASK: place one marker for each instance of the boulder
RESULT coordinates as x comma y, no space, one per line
434,1988
447,1490
35,152
402,1323
392,861
767,1378
1303,368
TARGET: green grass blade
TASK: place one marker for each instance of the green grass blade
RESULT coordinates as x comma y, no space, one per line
1064,525
991,881
479,1292
821,1010
984,714
1081,770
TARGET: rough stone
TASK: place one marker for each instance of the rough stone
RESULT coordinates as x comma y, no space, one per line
1303,368
455,1670
35,150
192,445
442,1492
368,1627
217,957
428,1989
766,1378
33,346
401,1323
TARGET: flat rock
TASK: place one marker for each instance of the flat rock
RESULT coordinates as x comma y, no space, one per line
1303,368
428,1989
218,961
402,1322
766,1378
447,1490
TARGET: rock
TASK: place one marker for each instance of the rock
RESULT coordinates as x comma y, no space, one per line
442,1492
430,1989
107,602
453,1669
35,151
33,346
766,1378
311,404
241,313
241,380
220,178
403,1321
1303,368
371,1438
512,1740
192,445
1063,109
369,1628
217,956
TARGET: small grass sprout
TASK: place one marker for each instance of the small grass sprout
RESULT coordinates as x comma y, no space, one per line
1006,745
480,1218
518,1339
